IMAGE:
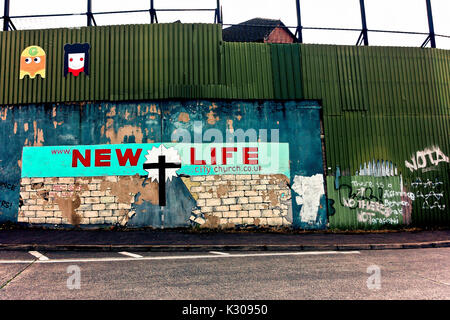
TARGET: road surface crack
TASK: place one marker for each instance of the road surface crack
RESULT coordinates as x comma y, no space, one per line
17,274
433,280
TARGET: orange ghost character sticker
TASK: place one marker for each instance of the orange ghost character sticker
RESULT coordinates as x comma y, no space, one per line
32,62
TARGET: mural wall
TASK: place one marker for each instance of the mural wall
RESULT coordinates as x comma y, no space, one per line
164,164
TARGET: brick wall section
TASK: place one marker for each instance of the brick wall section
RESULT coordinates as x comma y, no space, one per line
71,201
230,200
279,35
222,200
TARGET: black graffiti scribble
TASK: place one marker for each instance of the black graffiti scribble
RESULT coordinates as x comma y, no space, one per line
331,209
346,192
5,185
5,204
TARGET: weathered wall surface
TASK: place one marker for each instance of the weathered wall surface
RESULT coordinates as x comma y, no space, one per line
74,200
384,108
224,199
367,202
229,200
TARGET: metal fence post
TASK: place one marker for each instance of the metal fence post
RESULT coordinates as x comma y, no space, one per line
6,16
431,35
218,17
298,31
89,13
363,37
153,17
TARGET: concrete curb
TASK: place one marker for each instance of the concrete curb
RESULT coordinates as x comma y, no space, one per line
215,247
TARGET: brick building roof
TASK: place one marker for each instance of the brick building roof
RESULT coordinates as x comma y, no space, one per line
254,30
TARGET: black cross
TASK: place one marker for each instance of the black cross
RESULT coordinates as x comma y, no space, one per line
162,165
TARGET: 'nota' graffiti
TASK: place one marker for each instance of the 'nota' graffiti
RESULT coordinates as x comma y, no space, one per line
419,160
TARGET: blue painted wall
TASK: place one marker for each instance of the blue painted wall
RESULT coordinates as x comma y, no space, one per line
297,123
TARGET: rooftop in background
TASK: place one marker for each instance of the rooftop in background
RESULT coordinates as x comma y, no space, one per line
259,30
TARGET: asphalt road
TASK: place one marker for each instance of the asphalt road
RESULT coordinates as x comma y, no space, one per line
404,274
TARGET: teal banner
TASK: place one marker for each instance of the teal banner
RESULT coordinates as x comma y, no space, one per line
195,159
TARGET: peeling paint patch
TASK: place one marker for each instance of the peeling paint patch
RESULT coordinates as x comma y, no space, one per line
230,125
3,113
309,190
112,112
212,222
153,109
223,189
128,186
183,117
56,123
189,184
212,119
124,132
38,135
272,196
68,206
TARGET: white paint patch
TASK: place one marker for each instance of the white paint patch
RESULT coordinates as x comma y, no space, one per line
38,255
133,255
244,255
309,190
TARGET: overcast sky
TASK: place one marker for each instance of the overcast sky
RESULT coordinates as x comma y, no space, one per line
403,15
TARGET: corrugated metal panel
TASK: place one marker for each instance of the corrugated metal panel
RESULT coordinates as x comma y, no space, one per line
383,103
320,76
246,71
287,77
352,194
127,62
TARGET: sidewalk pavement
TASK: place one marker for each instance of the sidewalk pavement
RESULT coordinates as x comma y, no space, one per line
188,240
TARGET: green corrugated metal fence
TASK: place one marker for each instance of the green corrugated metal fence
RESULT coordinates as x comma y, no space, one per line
379,103
126,62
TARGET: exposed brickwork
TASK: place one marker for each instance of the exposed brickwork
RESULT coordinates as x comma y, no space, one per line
225,200
279,35
72,201
230,200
